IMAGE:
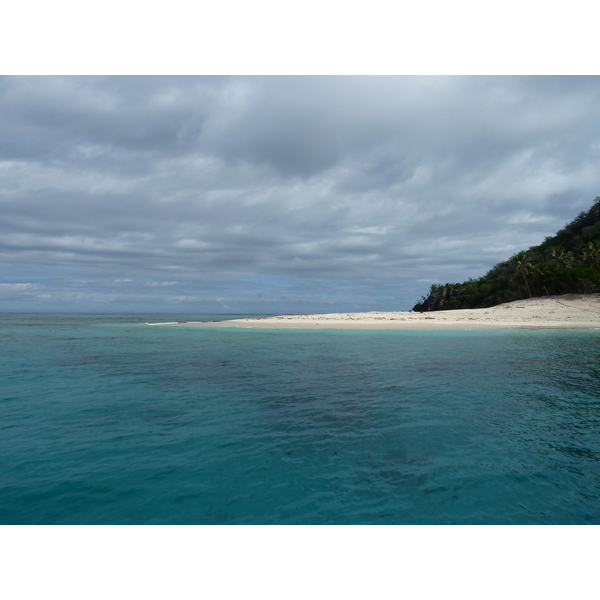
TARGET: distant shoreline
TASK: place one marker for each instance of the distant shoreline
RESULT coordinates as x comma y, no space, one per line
570,311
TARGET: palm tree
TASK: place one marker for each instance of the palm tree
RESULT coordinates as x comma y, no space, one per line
561,259
541,276
524,267
591,254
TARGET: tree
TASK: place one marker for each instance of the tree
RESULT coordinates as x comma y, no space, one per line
542,277
562,260
523,268
591,254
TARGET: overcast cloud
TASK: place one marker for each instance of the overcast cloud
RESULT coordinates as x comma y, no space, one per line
280,194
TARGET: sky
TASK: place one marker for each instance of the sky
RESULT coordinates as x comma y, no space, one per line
280,194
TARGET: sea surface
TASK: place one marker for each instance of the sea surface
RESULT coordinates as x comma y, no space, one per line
106,420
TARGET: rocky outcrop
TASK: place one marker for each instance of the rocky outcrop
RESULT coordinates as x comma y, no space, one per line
446,297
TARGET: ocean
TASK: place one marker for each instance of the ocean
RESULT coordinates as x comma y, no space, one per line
106,420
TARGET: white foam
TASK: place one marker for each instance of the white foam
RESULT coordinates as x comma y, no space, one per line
169,323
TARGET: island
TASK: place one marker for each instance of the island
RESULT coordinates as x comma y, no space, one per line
555,284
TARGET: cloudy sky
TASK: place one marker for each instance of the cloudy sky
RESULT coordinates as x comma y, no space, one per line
280,194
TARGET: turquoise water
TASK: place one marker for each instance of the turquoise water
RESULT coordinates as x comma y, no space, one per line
104,419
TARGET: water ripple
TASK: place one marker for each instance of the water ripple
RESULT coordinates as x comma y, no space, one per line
103,420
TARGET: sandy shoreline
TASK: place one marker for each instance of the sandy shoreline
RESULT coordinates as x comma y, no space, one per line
581,311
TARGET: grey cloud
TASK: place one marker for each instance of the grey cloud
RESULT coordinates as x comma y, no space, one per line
61,117
280,192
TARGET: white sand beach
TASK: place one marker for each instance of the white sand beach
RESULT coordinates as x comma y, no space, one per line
571,311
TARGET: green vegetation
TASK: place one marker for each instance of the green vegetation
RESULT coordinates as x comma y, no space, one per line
567,263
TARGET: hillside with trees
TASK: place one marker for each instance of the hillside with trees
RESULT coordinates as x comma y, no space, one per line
566,263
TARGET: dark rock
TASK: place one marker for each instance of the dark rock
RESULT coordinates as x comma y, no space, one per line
446,297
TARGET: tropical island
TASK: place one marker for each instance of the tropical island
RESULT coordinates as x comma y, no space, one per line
566,263
553,285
